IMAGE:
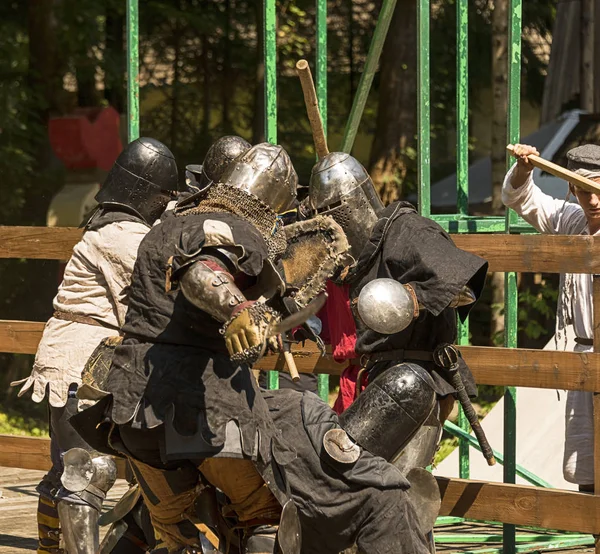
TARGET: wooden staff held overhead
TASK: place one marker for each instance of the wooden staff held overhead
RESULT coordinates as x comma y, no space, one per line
560,172
312,107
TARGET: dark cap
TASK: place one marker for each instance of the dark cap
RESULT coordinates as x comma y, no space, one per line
584,157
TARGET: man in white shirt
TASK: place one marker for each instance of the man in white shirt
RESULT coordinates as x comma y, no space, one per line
552,216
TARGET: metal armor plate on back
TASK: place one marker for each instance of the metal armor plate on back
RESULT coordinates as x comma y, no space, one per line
316,250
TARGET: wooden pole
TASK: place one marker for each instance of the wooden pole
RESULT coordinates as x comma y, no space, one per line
312,108
561,172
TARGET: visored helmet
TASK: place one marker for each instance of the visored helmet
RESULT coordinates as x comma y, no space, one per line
341,188
143,179
266,172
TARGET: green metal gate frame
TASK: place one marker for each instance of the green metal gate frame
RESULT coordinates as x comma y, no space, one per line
459,222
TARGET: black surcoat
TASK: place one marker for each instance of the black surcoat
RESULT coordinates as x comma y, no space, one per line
415,250
173,363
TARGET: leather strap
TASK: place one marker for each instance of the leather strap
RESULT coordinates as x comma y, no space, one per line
368,360
584,341
79,318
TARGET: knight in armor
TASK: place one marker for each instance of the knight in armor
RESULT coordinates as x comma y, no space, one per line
218,158
416,282
182,404
90,307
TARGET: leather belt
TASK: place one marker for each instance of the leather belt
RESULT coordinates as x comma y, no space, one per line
368,360
584,341
79,318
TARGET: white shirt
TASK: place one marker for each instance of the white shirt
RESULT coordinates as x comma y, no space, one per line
95,284
575,307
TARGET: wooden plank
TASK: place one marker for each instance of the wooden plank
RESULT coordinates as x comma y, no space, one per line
33,453
519,367
523,367
25,452
46,243
520,505
534,253
20,337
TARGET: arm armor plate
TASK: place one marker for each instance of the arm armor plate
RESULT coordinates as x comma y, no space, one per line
213,291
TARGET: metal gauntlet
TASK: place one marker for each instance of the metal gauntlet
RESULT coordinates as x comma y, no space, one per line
212,289
246,333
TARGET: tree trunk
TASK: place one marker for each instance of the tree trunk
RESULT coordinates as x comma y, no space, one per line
258,120
114,76
499,136
587,55
396,116
227,81
500,96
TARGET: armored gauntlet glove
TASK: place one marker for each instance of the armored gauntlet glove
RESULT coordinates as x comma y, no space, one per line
247,332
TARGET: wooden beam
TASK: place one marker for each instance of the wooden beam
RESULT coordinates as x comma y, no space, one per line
523,367
46,243
25,452
534,253
33,453
20,337
520,505
519,367
525,253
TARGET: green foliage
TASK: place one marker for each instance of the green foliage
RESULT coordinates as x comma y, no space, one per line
13,423
536,308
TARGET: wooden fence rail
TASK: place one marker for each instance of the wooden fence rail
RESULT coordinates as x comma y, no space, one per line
515,504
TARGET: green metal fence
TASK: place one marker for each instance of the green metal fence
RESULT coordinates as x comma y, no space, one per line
459,222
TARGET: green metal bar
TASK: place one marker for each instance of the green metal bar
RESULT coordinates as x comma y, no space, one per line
464,466
270,42
510,280
322,379
462,172
533,547
476,538
449,520
270,54
462,106
366,79
423,109
133,71
530,477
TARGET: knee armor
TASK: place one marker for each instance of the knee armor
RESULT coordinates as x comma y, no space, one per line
391,410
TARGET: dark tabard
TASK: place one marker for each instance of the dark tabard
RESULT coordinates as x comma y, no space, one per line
415,250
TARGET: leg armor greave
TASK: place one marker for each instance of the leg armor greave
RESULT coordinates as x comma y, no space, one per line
388,414
85,481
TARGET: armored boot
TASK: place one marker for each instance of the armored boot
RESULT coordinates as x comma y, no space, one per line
261,540
86,481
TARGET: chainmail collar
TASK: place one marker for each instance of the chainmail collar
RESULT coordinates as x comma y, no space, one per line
225,198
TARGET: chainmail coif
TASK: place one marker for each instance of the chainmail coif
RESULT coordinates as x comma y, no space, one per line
225,198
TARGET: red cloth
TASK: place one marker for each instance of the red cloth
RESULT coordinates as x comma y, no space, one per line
339,331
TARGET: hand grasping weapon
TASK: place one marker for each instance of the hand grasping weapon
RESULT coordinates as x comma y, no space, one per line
312,108
560,172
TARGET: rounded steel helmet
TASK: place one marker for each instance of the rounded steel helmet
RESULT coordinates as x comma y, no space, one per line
385,306
222,152
143,179
341,188
266,172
